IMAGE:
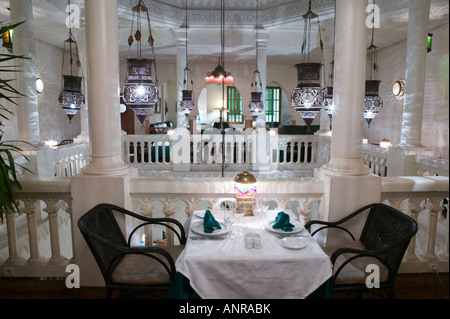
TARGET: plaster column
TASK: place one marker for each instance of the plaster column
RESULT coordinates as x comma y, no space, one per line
416,52
180,35
106,179
402,156
349,87
263,38
102,56
348,182
27,109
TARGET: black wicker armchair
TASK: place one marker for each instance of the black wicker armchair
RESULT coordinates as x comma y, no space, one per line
383,242
124,267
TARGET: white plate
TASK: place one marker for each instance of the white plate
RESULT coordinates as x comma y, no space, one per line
198,229
200,213
292,242
298,227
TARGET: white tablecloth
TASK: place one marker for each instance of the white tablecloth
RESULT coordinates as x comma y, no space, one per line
225,269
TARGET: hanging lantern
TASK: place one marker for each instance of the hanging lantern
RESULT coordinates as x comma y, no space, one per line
308,97
329,101
256,105
140,93
373,102
71,97
7,38
187,102
219,76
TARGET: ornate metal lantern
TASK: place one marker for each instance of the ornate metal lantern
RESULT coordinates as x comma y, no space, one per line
71,97
139,91
308,97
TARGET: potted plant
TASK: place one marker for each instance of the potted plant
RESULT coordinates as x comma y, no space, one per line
8,174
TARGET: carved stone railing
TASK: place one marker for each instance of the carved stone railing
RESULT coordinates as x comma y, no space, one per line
33,237
38,242
59,161
376,158
431,166
180,197
254,151
422,198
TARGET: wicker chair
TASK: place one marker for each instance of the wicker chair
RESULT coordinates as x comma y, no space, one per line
124,267
383,242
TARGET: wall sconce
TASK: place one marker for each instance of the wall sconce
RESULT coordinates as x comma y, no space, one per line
245,187
398,88
429,42
51,143
39,85
385,143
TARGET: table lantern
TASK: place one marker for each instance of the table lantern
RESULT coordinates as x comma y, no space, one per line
245,187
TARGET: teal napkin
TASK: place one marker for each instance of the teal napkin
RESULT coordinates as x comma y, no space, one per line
209,222
282,222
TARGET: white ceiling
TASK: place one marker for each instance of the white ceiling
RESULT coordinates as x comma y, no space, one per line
282,19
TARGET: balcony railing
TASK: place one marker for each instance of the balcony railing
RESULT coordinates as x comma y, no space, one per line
38,242
260,150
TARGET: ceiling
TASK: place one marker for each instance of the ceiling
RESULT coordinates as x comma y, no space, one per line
280,18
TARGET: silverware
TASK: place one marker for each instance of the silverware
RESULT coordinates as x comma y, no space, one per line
207,238
293,235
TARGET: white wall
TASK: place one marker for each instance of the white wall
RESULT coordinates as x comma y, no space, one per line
387,124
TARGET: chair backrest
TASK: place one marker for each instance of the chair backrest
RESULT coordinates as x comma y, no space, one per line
387,227
102,234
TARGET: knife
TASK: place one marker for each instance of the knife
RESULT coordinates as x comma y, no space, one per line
207,238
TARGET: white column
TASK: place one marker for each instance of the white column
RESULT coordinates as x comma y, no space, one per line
349,86
180,34
348,182
263,38
416,51
23,44
102,56
106,178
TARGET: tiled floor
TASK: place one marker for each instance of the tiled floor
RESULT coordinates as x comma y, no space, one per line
418,286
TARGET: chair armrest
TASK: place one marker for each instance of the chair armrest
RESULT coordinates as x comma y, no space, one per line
347,250
180,233
336,223
325,226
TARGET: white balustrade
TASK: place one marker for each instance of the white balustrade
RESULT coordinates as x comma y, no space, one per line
431,166
422,198
295,152
376,159
34,236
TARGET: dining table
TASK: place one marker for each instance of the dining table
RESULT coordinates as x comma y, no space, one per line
250,259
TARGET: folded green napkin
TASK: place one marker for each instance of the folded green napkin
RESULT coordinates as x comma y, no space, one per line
209,222
282,222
